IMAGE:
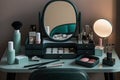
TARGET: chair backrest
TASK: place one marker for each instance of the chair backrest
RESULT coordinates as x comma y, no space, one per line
58,74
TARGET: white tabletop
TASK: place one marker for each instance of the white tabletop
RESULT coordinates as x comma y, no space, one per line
68,63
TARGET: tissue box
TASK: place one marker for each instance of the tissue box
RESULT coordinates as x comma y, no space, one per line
21,59
99,50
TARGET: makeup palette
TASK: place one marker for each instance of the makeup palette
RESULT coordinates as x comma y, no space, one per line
87,61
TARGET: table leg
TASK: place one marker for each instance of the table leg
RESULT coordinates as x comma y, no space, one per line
109,76
106,75
11,76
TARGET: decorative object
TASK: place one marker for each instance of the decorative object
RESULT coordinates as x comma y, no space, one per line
21,59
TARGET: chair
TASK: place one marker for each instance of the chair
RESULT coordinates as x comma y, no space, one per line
58,74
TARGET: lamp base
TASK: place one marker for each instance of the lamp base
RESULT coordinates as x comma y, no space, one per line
99,50
107,62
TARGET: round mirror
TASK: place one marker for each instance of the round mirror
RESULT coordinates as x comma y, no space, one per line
102,27
59,20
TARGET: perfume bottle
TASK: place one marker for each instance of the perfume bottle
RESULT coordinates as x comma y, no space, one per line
10,53
38,38
32,34
85,38
80,38
91,40
87,30
17,36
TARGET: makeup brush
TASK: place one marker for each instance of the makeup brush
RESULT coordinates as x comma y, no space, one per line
16,25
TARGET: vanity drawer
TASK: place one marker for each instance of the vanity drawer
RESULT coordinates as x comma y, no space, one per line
33,46
59,56
85,46
85,52
31,53
57,45
59,53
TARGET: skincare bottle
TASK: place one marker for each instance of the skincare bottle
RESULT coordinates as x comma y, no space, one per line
32,34
17,41
17,36
38,38
10,53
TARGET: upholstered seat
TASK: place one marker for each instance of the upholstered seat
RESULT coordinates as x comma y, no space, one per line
58,74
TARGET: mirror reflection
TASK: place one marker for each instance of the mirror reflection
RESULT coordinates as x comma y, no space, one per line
60,20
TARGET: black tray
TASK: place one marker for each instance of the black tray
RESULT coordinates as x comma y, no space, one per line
87,63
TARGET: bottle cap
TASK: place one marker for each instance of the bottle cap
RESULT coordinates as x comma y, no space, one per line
10,45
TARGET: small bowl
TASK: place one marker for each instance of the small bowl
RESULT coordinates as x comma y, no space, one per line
87,60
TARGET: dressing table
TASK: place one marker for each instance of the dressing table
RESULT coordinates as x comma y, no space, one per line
108,71
53,36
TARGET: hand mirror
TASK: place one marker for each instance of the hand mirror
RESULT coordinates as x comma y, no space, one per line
59,19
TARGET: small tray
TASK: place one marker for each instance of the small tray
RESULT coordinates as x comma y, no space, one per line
87,60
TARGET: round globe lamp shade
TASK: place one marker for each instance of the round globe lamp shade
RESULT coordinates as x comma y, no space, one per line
102,28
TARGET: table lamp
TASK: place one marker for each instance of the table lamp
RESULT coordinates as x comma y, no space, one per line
103,29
